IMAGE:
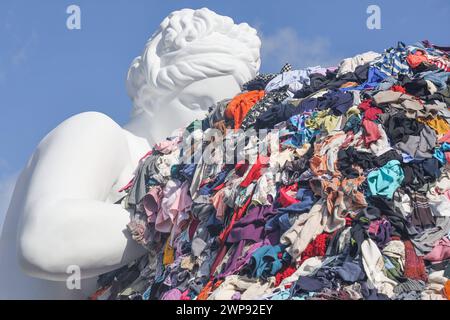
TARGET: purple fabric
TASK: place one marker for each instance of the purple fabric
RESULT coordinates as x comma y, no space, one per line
248,228
233,268
251,226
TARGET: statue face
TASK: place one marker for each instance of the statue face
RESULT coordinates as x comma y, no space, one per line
192,102
200,95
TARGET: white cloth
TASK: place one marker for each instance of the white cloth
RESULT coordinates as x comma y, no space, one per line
295,79
373,264
350,64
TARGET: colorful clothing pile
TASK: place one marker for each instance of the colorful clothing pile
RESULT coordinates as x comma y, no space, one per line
354,203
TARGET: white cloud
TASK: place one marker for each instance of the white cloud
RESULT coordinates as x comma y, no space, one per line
7,185
285,45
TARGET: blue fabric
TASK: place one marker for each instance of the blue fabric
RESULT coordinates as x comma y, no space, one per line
438,77
265,261
374,78
386,180
280,222
439,153
387,83
220,178
302,135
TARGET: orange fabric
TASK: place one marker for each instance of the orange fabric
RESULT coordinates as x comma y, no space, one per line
206,291
414,60
169,254
241,104
447,289
203,295
349,84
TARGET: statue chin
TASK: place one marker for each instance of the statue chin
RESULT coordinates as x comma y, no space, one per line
63,212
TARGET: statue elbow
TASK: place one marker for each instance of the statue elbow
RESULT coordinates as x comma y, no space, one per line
38,252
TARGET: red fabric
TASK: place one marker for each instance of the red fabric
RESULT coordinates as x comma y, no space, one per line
280,276
236,216
371,132
285,199
414,265
370,112
348,221
223,248
398,88
255,172
316,248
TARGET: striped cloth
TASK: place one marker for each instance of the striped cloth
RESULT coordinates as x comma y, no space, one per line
393,61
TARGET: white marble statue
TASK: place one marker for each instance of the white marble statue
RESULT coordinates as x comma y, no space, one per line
62,211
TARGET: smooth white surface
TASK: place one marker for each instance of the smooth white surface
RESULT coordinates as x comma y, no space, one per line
62,211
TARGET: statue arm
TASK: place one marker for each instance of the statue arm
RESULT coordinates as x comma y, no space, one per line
66,217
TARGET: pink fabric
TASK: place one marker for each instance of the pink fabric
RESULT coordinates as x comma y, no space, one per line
173,294
219,204
152,203
167,146
440,252
169,208
374,227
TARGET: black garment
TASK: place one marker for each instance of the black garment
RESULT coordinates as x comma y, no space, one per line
442,95
415,87
424,67
330,81
270,100
419,173
398,127
447,270
386,208
383,159
349,157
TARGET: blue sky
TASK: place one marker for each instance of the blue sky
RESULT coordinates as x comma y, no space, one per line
49,73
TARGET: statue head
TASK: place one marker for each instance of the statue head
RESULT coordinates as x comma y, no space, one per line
195,59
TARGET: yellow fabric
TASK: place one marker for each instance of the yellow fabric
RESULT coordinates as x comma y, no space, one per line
322,120
438,124
169,254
